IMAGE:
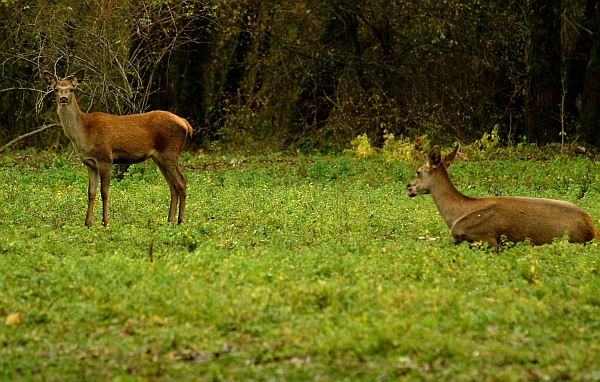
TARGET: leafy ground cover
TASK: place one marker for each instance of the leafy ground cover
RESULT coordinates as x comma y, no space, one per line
290,268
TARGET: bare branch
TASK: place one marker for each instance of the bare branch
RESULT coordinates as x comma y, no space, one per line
45,127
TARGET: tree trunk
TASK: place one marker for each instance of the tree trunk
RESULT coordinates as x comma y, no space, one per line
543,89
590,105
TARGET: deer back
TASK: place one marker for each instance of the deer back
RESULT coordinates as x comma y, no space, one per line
519,218
136,137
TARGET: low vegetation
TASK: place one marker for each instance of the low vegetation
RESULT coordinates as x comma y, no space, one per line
291,267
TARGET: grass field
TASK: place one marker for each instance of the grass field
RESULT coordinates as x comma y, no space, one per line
290,268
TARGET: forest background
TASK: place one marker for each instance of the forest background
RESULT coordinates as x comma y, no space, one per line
307,74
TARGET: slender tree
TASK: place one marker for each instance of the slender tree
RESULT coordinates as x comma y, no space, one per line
589,50
543,60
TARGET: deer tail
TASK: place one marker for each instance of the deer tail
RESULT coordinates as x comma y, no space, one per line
185,124
188,128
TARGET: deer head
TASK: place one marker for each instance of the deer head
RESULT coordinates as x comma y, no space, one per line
430,171
64,89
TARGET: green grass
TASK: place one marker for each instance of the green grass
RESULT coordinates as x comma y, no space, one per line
290,268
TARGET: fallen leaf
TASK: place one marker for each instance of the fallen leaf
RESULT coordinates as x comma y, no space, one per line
160,321
13,319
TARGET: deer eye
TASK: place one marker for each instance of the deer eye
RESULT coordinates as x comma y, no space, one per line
71,90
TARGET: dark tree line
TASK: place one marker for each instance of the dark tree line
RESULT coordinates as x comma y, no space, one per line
311,74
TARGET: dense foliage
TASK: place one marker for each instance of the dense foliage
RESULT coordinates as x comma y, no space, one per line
290,268
312,74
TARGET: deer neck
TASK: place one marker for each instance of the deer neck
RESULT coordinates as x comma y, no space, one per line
71,118
450,202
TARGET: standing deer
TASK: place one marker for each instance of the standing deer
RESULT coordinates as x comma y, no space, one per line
101,140
487,219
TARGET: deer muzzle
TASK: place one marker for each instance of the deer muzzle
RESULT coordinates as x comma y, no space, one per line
63,100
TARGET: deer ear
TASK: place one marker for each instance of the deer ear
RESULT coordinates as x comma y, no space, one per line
435,156
50,79
78,77
451,155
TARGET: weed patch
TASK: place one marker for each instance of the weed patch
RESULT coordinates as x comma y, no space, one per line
290,268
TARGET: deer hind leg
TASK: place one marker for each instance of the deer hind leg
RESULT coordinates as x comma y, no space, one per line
168,175
181,185
104,170
94,179
167,162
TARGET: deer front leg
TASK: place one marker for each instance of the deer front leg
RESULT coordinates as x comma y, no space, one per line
94,179
459,237
104,170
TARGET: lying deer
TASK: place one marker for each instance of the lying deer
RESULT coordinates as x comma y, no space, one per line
488,219
101,140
